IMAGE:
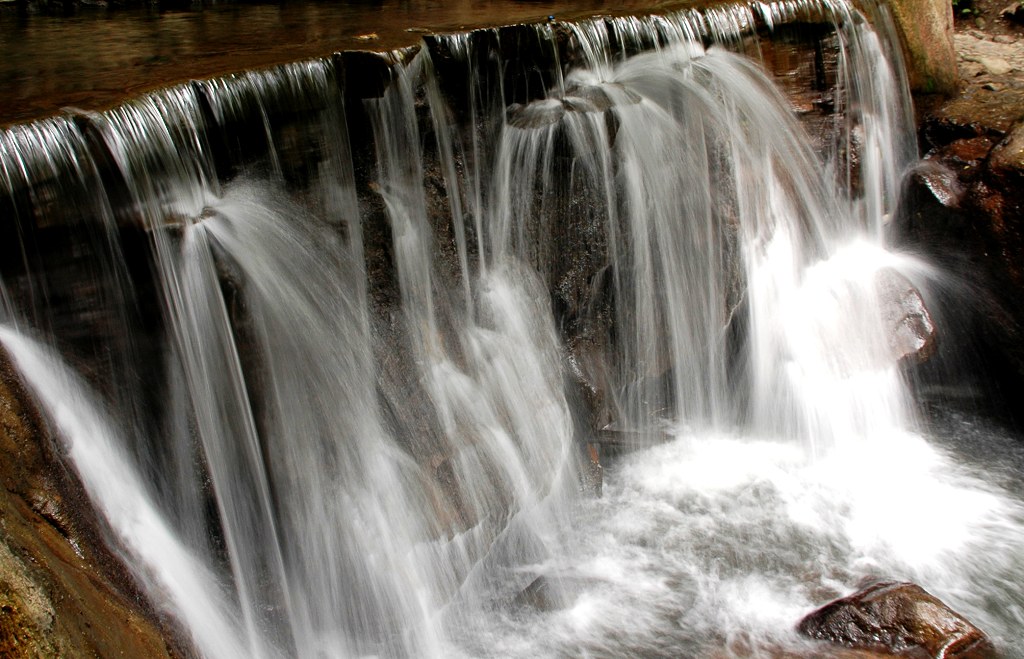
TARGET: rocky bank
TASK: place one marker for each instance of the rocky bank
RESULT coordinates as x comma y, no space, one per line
965,209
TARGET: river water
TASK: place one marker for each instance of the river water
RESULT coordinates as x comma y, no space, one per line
94,58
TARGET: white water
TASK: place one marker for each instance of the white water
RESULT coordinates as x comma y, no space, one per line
719,543
320,463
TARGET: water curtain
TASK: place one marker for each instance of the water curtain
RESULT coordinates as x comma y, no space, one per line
326,342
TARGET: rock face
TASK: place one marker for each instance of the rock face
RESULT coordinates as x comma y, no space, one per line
926,31
900,619
61,592
964,208
1007,159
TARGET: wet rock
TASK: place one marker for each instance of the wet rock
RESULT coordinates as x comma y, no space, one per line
744,650
599,98
539,595
941,181
546,112
1007,160
911,332
550,592
1000,197
979,138
537,114
899,619
591,471
62,593
973,226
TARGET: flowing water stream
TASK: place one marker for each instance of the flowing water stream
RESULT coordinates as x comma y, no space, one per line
327,362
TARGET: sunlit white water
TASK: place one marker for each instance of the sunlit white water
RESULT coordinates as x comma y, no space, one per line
312,454
719,543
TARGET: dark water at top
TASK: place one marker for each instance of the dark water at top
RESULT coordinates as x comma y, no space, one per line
96,58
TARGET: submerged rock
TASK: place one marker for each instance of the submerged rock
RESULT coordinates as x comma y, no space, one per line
540,595
549,593
900,619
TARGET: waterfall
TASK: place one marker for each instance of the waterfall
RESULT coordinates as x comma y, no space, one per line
332,345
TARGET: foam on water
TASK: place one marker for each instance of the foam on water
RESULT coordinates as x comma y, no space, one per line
714,542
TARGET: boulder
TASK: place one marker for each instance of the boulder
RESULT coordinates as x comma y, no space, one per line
964,208
899,619
911,332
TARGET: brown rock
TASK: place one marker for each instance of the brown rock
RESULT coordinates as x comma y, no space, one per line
900,619
911,332
980,112
969,152
1008,157
941,178
62,593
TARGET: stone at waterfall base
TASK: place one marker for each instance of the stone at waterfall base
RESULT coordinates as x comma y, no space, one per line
900,619
911,332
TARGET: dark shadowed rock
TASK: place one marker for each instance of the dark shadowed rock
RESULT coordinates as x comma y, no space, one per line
963,207
1013,12
900,619
911,332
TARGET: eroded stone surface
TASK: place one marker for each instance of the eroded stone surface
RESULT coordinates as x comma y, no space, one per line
61,593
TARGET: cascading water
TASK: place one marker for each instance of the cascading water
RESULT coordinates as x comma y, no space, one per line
344,351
